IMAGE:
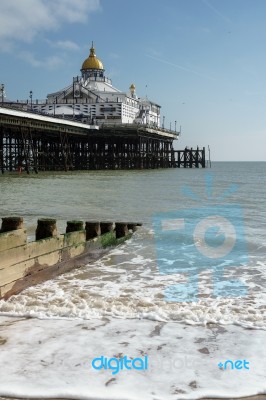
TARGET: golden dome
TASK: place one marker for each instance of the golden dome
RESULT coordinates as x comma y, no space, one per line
132,87
92,62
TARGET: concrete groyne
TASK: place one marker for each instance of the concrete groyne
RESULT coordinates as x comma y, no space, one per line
24,263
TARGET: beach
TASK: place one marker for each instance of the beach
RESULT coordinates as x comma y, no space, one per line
53,359
116,306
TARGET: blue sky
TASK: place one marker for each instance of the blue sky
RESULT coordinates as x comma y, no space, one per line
203,61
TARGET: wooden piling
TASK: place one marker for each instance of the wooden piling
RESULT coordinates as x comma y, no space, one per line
11,224
93,229
133,226
121,229
106,227
73,226
46,228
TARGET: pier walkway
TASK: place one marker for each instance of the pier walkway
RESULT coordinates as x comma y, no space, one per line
35,142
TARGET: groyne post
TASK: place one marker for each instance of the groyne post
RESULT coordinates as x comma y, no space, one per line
11,224
46,228
93,229
73,226
107,227
121,229
132,226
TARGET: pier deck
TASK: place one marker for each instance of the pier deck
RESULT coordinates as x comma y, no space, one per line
35,142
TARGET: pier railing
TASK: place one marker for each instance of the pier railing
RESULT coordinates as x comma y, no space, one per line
139,127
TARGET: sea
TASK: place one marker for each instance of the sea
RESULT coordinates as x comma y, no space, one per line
164,293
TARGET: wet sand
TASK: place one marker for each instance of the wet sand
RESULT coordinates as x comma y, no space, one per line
53,357
258,397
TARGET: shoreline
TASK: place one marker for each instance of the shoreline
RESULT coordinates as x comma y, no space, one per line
255,397
53,356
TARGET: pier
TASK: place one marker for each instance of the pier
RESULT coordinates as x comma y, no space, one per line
89,125
34,142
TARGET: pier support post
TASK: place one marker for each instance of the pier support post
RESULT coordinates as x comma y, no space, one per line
73,226
106,227
11,224
203,163
121,229
46,228
93,229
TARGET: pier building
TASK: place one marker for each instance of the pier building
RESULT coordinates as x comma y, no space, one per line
89,124
91,97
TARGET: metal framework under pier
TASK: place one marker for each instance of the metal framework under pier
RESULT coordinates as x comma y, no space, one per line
37,143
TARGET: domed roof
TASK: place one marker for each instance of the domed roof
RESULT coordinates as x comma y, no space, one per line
92,62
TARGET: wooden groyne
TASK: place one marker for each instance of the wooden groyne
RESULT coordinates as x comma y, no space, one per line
23,263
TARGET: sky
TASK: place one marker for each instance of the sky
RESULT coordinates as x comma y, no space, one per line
203,61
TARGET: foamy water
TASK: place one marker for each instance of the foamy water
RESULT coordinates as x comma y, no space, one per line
123,293
126,283
52,358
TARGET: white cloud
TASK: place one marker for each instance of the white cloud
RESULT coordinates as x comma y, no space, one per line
67,45
48,62
22,20
74,10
